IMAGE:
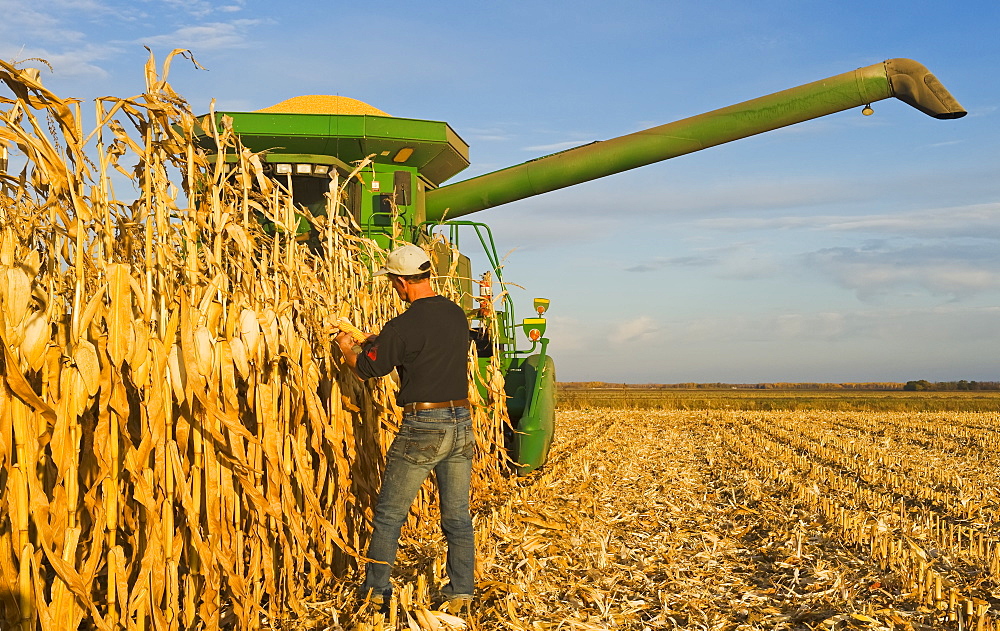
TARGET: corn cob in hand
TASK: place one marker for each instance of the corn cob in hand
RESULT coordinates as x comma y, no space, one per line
357,334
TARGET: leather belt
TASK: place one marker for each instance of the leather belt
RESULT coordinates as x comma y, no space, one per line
409,408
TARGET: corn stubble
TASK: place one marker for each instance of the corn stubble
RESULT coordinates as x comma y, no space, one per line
179,445
750,520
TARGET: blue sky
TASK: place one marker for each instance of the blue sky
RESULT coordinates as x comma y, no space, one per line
848,248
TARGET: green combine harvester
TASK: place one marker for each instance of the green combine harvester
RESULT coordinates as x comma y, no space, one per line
403,190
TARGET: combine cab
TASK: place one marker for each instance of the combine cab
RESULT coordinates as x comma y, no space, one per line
395,170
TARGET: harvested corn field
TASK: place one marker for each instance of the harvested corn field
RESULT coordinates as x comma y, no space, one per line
744,520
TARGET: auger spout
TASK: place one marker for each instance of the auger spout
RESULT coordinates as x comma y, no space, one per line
904,79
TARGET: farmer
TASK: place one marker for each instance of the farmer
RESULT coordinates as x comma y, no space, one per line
428,344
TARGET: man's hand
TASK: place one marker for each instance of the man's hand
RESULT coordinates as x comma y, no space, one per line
349,348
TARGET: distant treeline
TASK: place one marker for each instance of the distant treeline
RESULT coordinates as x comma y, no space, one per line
918,385
924,385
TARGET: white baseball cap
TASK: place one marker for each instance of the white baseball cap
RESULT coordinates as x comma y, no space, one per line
407,260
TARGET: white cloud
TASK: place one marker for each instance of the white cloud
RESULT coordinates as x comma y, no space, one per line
201,8
201,37
854,326
488,138
62,33
486,134
734,261
742,345
531,226
664,262
572,333
957,271
25,23
642,328
79,62
808,325
78,36
982,110
977,220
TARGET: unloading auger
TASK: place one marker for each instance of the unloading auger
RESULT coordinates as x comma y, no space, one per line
904,79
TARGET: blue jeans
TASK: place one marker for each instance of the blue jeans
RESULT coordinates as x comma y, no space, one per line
441,440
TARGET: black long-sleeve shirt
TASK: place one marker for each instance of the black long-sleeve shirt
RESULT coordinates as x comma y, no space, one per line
429,346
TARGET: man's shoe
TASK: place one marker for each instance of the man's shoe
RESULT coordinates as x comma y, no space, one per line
379,603
460,606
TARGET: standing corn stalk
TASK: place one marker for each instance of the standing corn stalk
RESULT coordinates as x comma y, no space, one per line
179,445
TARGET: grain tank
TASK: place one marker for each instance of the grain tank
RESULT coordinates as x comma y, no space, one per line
402,190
